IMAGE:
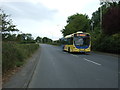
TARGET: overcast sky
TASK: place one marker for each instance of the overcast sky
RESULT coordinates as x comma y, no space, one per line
46,17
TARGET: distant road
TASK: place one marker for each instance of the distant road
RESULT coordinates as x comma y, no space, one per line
58,69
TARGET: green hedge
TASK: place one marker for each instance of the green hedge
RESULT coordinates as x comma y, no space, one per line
106,43
14,54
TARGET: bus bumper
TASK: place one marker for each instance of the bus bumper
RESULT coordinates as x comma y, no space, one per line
81,50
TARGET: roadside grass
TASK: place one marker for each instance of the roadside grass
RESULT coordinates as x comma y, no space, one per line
15,55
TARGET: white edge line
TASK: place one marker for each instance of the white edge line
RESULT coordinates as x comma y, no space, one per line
91,61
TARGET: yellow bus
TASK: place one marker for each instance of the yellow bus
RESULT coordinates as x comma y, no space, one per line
77,42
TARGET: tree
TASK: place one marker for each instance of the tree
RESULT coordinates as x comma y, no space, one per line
105,6
25,38
7,26
38,39
111,21
12,28
20,37
109,37
6,22
76,22
46,40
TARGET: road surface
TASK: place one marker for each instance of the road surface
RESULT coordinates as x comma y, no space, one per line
58,69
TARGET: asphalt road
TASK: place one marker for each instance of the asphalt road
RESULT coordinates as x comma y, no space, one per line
58,69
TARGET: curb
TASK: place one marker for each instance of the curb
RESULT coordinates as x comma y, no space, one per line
22,78
33,70
111,54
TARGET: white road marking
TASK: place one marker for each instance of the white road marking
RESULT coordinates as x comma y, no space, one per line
74,55
91,61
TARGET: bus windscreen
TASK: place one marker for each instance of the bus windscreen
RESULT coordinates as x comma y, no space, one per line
82,40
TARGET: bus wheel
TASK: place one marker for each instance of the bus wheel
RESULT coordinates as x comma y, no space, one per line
69,49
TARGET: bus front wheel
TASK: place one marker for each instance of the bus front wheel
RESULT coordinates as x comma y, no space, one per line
69,49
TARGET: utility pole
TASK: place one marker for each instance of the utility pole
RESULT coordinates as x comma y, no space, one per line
101,2
92,25
107,5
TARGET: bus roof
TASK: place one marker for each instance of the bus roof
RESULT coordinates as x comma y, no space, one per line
79,32
68,36
71,35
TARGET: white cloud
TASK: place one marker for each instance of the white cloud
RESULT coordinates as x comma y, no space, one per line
27,10
66,7
46,17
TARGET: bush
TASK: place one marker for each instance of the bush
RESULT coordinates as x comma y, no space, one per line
14,54
107,43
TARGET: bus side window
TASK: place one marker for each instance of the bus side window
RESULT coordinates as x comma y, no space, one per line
71,40
68,41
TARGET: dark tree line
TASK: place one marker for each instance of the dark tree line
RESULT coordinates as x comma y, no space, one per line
43,40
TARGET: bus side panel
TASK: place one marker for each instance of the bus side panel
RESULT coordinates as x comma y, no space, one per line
67,47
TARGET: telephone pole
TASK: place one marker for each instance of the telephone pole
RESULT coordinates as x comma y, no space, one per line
101,2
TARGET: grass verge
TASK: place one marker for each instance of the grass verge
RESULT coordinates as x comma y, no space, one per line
14,55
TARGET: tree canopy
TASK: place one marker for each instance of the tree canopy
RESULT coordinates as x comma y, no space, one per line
6,22
76,22
46,40
111,19
38,39
7,26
